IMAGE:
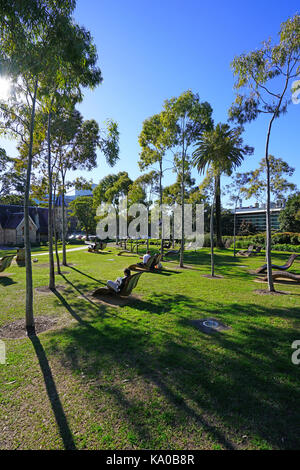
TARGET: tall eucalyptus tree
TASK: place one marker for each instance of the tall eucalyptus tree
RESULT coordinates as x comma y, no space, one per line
263,79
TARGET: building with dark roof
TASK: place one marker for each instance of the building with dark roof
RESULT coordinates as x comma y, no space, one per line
12,224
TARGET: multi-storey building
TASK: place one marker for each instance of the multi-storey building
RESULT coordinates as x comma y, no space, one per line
257,216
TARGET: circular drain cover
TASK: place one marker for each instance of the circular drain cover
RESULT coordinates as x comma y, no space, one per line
211,324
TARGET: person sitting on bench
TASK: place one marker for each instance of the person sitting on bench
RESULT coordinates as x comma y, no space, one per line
118,284
145,259
98,245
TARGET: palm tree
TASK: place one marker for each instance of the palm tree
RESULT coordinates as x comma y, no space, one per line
221,149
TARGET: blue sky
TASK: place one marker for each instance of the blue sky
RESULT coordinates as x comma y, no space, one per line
152,51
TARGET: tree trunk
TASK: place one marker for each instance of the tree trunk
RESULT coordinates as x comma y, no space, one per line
160,209
268,231
173,230
63,231
182,210
268,215
234,229
117,225
50,213
56,244
55,227
147,227
29,290
212,260
218,211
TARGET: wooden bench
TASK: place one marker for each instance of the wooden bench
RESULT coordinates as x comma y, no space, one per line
153,261
130,284
284,267
97,247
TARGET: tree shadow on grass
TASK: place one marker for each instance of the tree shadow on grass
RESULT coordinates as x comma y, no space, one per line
200,261
165,271
6,281
225,258
227,384
80,288
161,272
79,305
87,275
53,396
127,255
124,344
202,258
263,382
160,304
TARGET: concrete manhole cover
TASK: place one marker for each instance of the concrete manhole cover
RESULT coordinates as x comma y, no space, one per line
209,325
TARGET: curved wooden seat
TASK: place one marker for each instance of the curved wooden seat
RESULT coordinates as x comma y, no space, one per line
99,246
284,275
123,251
246,252
128,287
286,266
149,266
157,261
141,266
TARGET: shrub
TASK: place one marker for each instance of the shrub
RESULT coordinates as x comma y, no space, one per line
284,238
286,247
207,240
295,240
74,241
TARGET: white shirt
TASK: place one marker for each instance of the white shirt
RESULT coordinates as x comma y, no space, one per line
146,257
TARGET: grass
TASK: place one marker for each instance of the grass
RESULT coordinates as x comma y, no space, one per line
140,376
37,249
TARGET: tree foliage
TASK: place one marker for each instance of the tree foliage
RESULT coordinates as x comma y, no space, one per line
222,150
255,185
289,217
186,118
83,209
49,58
263,78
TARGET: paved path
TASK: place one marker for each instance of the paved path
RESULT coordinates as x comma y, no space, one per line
47,253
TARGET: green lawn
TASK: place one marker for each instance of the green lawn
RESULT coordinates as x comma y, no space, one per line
37,249
140,375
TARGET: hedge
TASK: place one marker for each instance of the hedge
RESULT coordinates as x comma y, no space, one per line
284,238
